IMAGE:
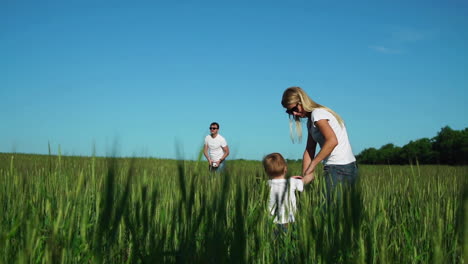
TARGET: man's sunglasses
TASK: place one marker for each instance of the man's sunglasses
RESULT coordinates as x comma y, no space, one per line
294,109
213,128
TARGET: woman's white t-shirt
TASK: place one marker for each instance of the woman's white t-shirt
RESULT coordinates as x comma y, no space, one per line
342,153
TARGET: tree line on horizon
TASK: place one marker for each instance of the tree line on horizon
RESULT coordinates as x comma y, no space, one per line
449,147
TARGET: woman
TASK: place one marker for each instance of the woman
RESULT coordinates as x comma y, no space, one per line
326,128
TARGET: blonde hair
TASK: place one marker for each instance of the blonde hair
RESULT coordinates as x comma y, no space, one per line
295,95
274,164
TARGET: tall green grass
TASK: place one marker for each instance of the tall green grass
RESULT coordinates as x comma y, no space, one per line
58,209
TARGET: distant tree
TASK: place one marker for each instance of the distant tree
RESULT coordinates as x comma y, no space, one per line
293,160
464,146
420,150
389,154
368,156
448,147
452,146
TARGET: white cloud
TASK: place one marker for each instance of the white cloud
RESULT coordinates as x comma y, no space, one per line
385,50
402,38
408,35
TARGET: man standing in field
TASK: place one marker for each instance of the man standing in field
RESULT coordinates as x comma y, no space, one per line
216,149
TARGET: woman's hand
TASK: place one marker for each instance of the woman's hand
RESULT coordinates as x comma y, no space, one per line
308,178
309,154
309,172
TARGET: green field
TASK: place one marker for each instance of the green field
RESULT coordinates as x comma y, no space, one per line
59,209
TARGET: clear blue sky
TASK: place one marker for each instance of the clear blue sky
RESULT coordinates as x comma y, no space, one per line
152,75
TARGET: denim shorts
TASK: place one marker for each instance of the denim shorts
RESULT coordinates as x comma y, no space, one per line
335,174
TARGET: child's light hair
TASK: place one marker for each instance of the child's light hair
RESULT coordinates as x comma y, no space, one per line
274,164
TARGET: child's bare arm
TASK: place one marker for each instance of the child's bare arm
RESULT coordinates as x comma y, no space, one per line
305,180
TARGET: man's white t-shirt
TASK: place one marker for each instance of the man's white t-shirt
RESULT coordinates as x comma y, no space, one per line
283,206
342,154
215,146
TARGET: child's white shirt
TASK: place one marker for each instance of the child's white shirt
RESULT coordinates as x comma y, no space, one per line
283,206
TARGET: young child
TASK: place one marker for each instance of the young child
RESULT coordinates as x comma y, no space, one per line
282,204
